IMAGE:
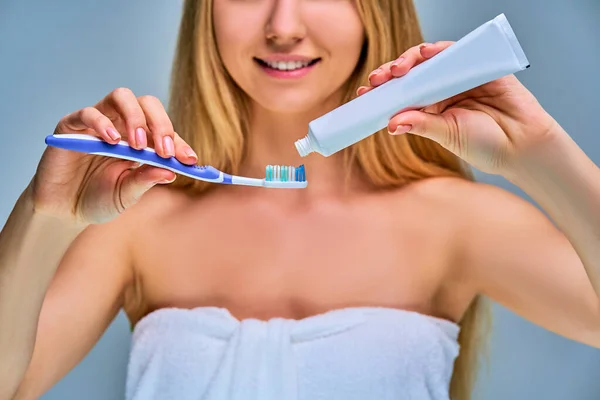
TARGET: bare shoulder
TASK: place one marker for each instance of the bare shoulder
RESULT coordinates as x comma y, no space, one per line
149,216
474,202
478,225
444,189
474,216
156,205
488,222
119,232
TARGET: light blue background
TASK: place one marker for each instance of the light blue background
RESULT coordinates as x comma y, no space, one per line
59,56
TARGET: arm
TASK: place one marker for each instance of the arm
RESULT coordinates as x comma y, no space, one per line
511,251
52,311
517,257
54,308
566,184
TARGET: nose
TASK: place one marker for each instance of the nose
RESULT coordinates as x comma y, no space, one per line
284,26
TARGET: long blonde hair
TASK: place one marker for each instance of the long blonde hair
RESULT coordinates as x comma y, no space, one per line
219,110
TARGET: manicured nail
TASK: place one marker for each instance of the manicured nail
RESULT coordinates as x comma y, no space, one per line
114,135
163,182
398,62
169,146
140,138
375,72
190,153
400,129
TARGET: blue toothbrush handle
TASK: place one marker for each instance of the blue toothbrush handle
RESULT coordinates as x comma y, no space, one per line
92,145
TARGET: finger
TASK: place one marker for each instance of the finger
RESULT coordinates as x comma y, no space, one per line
184,152
415,56
89,120
138,181
160,126
429,50
409,59
122,104
381,75
441,128
363,89
385,72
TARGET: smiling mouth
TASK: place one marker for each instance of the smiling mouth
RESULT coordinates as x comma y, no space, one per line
287,65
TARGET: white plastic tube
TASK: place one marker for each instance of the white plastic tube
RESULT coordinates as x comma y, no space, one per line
489,52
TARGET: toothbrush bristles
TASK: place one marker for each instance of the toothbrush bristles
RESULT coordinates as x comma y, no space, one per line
284,173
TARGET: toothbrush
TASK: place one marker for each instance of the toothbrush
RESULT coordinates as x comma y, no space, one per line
276,176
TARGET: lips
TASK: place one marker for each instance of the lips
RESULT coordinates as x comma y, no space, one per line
287,65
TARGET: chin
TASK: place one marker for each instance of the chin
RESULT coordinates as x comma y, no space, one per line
309,100
290,102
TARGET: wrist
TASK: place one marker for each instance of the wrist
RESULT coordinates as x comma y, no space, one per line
559,176
549,155
31,239
45,216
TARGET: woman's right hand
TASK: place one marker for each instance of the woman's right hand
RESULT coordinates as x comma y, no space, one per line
95,189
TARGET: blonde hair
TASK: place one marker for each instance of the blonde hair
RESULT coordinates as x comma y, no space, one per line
219,110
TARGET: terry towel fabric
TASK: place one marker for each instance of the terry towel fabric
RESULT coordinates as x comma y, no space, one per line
361,353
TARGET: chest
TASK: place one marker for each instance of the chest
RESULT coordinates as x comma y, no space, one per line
265,263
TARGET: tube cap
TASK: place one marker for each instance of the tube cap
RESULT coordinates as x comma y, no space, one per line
304,146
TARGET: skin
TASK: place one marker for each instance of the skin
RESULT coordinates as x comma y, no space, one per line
131,242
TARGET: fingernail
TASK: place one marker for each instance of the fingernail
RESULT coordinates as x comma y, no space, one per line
163,181
190,153
400,129
140,137
375,72
169,146
424,45
114,135
398,62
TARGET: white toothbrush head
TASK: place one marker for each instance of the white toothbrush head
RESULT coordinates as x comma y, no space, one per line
283,176
276,176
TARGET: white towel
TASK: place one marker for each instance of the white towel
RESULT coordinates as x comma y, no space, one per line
351,354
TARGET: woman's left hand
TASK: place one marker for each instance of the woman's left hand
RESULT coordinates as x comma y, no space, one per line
490,127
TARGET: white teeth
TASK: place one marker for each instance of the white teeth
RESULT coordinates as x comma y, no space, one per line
288,65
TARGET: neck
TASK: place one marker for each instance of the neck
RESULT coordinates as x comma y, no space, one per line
271,140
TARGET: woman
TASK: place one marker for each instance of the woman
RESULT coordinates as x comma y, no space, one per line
359,285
